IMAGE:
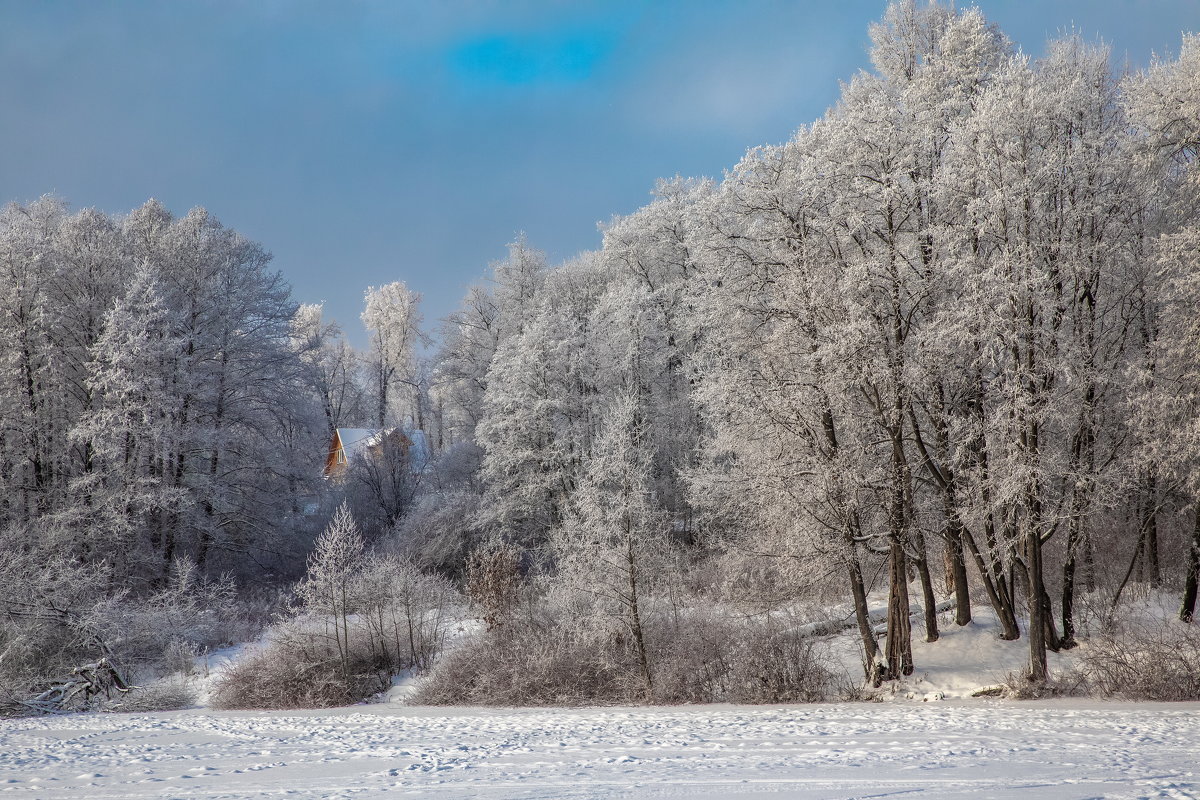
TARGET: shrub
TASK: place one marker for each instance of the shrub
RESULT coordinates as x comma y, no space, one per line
58,616
555,658
1018,686
173,693
299,670
343,646
1158,661
494,581
777,667
189,615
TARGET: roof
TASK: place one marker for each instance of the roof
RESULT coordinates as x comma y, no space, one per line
357,440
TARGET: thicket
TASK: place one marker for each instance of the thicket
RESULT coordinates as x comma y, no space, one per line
359,618
1152,661
554,659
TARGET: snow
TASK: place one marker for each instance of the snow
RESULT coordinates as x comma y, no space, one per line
928,738
1065,749
961,662
964,659
209,667
356,440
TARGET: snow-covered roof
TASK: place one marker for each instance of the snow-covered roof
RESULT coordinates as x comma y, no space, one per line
356,440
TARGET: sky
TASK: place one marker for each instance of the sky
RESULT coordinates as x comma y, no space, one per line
368,141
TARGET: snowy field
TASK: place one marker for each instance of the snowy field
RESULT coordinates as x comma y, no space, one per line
979,749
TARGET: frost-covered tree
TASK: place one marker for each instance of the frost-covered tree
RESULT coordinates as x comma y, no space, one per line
330,363
138,377
490,315
393,320
1164,102
613,542
330,586
655,256
538,412
173,334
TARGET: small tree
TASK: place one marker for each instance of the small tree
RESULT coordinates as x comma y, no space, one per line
406,611
330,586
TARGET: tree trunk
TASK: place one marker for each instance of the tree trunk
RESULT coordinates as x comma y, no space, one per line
1038,667
1150,528
1068,595
1074,536
862,616
955,566
635,617
210,516
639,639
958,572
899,626
927,596
1188,609
997,591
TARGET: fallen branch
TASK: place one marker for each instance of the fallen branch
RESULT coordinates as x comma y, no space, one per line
85,682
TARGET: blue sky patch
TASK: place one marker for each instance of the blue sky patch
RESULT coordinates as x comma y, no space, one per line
530,59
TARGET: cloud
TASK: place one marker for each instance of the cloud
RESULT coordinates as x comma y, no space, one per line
733,92
732,70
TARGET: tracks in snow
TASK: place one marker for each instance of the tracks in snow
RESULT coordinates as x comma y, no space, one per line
862,750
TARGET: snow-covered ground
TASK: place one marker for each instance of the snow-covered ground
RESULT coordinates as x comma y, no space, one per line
984,749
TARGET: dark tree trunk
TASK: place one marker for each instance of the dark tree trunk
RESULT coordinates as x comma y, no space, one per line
927,596
956,568
899,626
862,617
1083,461
1068,587
1150,530
958,572
997,591
1068,604
1038,666
1188,609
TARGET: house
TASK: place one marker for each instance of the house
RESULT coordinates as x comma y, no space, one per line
348,444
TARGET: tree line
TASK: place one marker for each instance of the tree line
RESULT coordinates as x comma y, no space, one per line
943,340
945,334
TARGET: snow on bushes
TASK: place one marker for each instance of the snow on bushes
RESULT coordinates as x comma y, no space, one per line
359,618
551,657
1156,661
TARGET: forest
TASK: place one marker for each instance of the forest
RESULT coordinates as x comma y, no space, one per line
940,349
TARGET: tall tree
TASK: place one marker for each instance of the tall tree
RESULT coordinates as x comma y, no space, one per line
393,320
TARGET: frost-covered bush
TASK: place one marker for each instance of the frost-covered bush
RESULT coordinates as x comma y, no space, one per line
705,658
1154,661
299,670
172,693
50,607
1019,686
406,613
494,582
358,619
552,657
528,665
186,617
777,666
58,615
